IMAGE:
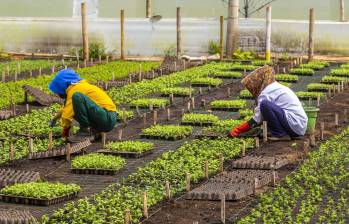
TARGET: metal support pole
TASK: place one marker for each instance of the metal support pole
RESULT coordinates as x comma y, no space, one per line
86,54
268,35
179,33
311,35
122,32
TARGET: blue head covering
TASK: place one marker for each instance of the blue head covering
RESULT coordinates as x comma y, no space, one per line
63,79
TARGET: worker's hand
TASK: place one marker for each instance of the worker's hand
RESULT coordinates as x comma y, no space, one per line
52,123
235,132
65,132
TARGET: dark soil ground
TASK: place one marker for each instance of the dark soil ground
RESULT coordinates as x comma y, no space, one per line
193,211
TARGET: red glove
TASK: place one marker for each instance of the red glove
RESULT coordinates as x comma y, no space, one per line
65,132
235,132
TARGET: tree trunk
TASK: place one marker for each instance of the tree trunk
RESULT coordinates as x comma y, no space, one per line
233,27
342,13
311,35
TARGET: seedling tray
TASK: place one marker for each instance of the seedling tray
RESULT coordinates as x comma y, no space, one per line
246,97
260,162
210,135
307,97
93,171
175,95
162,138
5,115
234,185
225,109
203,124
125,154
16,217
10,176
35,201
42,136
75,148
318,90
40,96
224,77
202,85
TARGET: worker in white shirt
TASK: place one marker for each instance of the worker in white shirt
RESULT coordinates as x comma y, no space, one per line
276,104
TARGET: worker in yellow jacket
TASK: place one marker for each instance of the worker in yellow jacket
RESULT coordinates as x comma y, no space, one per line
85,103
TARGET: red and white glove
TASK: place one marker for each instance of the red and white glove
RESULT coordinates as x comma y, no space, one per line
65,132
235,132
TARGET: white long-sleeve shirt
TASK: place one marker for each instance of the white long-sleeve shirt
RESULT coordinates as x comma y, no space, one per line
286,99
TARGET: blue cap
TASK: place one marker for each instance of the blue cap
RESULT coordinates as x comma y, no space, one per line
63,80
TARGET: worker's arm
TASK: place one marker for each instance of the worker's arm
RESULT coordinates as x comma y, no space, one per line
244,127
55,118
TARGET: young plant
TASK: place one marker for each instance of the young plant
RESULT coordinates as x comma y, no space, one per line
261,62
171,132
245,94
318,87
286,78
146,102
226,74
125,114
340,72
41,190
239,67
199,119
302,71
176,91
206,81
332,79
246,113
98,161
130,146
228,104
306,95
222,127
313,65
287,84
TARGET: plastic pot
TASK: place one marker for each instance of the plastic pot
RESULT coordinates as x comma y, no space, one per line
312,113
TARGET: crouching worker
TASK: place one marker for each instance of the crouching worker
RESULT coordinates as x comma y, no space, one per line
90,106
276,104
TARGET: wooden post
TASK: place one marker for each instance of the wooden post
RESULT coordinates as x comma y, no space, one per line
336,119
342,11
273,176
155,117
255,186
243,151
221,37
203,103
229,91
68,148
257,144
182,112
86,52
27,108
16,76
40,71
188,107
200,90
168,114
187,182
168,190
12,151
311,35
31,147
119,137
318,99
193,102
322,128
127,216
179,33
145,205
265,131
122,32
223,208
148,9
104,139
171,98
206,169
268,35
50,140
312,140
3,76
232,28
306,147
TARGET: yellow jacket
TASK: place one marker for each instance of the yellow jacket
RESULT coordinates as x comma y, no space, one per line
96,94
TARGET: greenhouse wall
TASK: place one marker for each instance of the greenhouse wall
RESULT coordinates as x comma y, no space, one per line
145,38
